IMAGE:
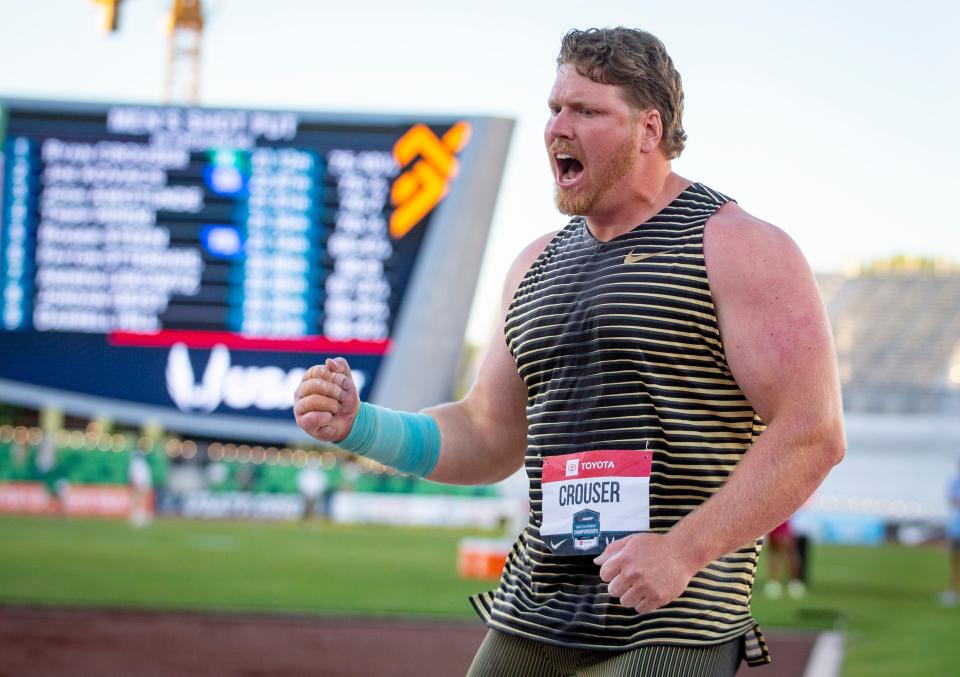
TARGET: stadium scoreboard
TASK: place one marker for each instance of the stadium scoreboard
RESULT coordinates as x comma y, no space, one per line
184,265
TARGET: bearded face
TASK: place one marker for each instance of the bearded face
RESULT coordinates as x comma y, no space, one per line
593,139
580,187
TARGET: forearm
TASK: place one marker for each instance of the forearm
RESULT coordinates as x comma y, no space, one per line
776,476
475,448
449,443
402,440
479,439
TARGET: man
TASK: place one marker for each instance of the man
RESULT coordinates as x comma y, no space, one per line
784,563
312,484
141,490
951,596
666,418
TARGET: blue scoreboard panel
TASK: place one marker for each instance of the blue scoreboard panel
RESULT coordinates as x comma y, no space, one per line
185,265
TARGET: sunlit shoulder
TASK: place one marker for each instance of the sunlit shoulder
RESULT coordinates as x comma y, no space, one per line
734,237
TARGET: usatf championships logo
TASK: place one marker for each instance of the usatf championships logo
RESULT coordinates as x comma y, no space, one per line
426,182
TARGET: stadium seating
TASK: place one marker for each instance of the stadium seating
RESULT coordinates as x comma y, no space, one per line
897,334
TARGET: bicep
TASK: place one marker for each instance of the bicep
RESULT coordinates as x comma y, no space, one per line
483,435
499,396
492,418
773,324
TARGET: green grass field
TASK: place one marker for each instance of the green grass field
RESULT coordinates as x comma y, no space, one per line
884,598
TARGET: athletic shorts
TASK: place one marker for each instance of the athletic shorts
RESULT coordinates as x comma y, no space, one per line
502,654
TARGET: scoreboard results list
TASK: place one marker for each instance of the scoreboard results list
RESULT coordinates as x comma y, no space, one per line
205,234
145,220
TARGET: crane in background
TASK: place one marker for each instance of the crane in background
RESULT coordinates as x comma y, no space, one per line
184,38
111,10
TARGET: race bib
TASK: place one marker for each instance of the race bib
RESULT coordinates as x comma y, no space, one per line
592,498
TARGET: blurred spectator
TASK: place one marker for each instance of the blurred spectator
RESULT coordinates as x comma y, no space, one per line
330,490
141,490
19,454
245,476
951,595
783,564
311,483
349,473
48,473
217,474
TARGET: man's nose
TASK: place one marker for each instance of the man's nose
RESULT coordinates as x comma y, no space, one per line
559,126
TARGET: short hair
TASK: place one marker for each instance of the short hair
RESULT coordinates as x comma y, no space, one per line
637,62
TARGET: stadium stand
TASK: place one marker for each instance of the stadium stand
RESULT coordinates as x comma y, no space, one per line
897,330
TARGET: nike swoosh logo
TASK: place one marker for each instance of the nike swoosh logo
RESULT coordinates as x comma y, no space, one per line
555,545
637,258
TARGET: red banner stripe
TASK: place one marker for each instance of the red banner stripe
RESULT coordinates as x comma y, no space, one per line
209,339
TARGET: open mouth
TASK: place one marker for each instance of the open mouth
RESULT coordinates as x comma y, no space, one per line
569,169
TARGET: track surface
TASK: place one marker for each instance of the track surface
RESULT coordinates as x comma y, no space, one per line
41,642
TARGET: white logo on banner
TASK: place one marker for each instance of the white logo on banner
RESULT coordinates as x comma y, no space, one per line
599,465
573,467
235,386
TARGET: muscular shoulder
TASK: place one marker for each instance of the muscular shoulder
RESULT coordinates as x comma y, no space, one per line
522,264
772,320
742,250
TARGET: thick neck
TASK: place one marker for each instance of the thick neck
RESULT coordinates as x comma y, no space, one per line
647,193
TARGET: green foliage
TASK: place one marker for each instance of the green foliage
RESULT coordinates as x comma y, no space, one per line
905,263
77,466
93,466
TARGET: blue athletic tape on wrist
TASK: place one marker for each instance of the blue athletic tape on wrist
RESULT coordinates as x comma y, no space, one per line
408,442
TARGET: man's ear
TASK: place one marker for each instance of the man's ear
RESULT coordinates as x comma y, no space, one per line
650,128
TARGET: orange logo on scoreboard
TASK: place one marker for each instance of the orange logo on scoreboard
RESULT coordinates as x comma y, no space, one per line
420,188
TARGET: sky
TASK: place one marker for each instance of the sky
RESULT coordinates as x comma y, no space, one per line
835,121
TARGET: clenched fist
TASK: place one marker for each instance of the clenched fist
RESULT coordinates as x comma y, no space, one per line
327,401
645,571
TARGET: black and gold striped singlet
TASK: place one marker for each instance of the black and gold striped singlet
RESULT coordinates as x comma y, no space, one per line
619,347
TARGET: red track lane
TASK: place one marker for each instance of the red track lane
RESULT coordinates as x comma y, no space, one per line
48,642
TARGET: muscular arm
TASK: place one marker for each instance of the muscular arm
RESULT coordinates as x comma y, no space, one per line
482,436
780,351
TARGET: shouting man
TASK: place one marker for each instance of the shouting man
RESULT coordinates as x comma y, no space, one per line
666,374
